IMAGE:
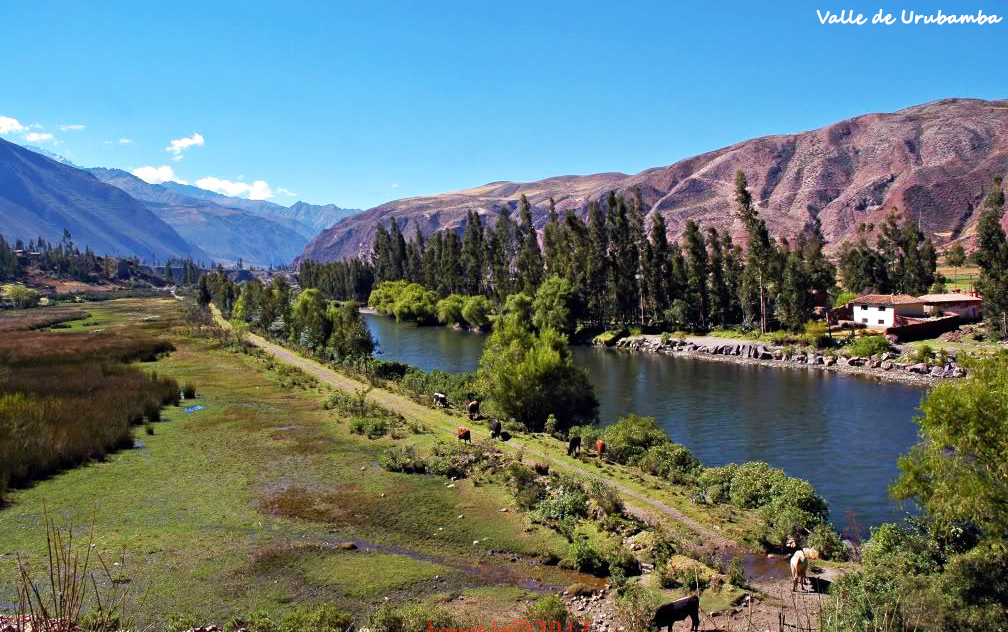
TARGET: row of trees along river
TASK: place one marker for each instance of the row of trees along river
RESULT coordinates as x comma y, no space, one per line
953,555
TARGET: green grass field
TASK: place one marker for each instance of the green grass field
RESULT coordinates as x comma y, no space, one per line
242,505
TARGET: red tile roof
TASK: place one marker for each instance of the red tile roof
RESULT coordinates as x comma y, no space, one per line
887,299
949,297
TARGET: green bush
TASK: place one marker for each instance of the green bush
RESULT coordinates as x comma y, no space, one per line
635,608
715,482
605,496
869,346
410,618
323,618
566,499
826,540
629,438
670,461
370,427
546,612
401,459
587,559
525,485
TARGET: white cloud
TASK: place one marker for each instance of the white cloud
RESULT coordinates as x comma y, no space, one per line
71,128
9,125
179,145
258,190
125,141
395,185
157,175
287,192
36,137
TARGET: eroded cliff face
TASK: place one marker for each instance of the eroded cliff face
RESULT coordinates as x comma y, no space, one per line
932,162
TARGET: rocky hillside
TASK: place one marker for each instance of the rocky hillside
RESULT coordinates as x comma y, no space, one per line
42,197
933,162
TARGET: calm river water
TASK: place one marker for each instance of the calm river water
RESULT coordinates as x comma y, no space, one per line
842,433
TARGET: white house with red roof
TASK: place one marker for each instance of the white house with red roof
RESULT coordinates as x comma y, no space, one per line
880,311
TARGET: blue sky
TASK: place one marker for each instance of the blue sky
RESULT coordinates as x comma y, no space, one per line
357,103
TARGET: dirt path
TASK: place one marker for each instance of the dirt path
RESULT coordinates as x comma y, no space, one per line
411,409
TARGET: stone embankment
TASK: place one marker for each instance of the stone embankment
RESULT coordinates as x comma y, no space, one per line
886,366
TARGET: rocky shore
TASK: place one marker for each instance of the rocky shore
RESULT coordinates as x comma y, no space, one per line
886,366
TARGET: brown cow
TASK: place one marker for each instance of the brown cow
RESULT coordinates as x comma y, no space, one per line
463,434
473,408
600,447
678,610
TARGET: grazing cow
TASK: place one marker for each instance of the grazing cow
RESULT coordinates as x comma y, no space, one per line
600,447
463,434
573,445
495,429
678,610
440,399
473,408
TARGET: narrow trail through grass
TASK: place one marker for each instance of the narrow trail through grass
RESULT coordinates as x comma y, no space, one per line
448,424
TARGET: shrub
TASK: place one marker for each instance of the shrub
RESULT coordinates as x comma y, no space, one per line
566,500
550,427
411,618
525,485
635,608
923,353
605,496
401,459
715,482
370,427
587,559
869,346
323,618
629,438
189,390
670,461
753,483
827,541
546,612
449,310
624,561
152,411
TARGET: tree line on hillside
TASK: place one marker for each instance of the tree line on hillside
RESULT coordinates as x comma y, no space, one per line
621,269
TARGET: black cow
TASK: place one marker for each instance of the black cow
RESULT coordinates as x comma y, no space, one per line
440,399
495,429
678,610
573,445
473,408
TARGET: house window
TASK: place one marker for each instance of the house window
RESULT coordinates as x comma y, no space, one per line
881,309
881,321
864,320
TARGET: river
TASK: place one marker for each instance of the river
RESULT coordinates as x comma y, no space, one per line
843,433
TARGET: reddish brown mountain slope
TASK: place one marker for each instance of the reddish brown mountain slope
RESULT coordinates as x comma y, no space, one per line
932,162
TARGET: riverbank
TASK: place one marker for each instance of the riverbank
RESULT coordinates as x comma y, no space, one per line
882,367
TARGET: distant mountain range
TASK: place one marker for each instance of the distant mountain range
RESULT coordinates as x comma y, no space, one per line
42,193
40,197
228,233
933,162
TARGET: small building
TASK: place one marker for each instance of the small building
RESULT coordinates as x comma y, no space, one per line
965,306
881,311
